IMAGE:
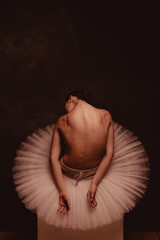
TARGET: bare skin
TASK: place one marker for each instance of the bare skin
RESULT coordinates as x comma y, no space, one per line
85,138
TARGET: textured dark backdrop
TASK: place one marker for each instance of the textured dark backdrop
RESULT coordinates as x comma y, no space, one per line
47,50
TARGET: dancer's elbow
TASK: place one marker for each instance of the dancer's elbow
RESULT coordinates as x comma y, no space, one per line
110,152
54,161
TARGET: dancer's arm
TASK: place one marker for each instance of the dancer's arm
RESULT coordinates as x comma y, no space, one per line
106,160
54,158
103,166
57,171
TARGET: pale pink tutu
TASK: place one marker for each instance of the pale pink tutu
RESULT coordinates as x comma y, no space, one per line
123,185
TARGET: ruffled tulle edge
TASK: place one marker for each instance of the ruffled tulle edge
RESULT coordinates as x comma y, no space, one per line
48,131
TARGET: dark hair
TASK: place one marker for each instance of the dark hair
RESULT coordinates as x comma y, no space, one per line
83,95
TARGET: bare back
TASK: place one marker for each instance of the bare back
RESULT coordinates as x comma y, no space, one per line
83,135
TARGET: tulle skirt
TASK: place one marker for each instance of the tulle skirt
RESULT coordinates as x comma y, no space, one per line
123,185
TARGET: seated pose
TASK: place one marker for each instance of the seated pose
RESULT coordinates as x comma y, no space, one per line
83,172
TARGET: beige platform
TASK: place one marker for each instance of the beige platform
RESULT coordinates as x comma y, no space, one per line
113,231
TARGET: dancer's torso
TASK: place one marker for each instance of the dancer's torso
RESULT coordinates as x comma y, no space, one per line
84,135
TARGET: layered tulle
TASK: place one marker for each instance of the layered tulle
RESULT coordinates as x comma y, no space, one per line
118,192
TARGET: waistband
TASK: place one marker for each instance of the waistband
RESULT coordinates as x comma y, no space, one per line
77,174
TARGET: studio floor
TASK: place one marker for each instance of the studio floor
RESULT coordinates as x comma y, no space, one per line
33,236
142,236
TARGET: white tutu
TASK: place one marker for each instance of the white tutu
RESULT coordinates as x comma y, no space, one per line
118,192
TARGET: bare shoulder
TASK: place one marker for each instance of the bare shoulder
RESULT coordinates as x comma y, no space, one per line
61,121
106,115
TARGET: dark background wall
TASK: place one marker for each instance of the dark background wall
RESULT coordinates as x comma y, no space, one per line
49,49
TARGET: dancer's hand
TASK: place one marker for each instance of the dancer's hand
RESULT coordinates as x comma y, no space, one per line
91,195
64,203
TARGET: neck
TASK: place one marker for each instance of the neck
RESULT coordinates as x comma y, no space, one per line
80,103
